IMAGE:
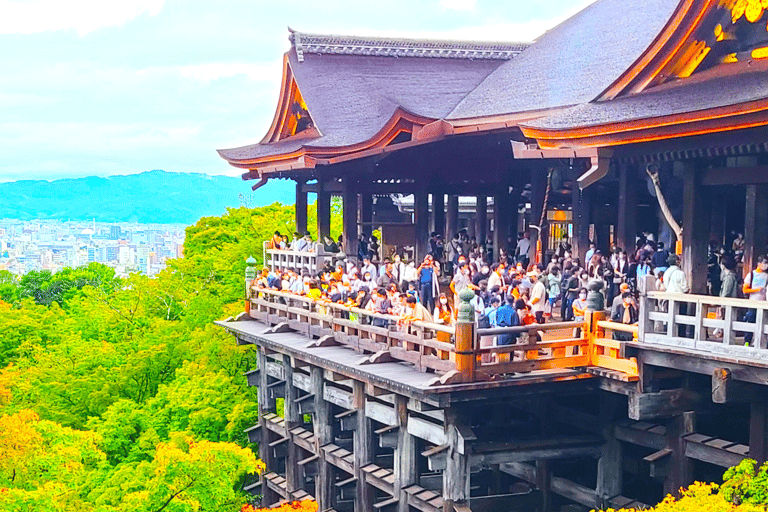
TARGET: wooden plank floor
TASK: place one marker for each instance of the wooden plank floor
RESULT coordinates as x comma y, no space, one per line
398,377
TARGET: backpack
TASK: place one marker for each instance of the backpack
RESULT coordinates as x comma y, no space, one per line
483,322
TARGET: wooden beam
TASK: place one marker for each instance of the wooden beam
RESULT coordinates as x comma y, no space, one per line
755,225
696,219
452,218
349,213
609,466
456,477
322,425
323,209
681,466
301,207
293,419
663,404
338,396
719,176
266,405
381,413
725,389
482,219
363,450
406,463
627,203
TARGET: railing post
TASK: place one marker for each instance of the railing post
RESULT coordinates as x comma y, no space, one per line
465,337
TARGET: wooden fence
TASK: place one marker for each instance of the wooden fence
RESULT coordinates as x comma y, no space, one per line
464,354
704,323
297,261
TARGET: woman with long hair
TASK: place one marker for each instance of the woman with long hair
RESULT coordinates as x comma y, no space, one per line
443,315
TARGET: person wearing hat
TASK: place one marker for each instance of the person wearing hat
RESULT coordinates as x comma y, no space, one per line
538,296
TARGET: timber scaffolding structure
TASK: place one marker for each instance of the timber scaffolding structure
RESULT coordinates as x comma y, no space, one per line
390,418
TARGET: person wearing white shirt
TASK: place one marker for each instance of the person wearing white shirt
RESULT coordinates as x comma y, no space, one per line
538,297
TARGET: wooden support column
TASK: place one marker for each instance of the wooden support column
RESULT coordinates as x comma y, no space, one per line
323,209
627,221
301,207
501,217
456,476
365,217
538,191
438,214
363,450
696,218
482,219
322,424
406,464
609,466
755,225
350,207
758,432
293,419
266,405
581,204
421,221
681,469
452,217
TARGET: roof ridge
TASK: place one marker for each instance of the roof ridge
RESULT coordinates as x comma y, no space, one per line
402,47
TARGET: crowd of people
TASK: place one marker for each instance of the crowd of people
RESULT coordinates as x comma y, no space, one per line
509,291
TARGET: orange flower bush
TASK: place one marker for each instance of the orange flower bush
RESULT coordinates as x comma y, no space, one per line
292,506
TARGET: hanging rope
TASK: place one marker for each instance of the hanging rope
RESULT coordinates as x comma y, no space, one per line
539,249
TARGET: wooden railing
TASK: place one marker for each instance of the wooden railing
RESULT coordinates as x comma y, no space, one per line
415,342
297,261
700,322
464,354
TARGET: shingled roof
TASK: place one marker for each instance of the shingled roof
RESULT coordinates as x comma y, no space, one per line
354,86
707,91
385,47
573,62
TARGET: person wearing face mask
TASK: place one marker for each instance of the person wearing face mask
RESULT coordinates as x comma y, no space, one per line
443,315
483,273
368,282
460,281
426,275
580,306
570,293
625,313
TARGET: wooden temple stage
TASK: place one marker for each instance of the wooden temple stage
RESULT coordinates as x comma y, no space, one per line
628,117
389,418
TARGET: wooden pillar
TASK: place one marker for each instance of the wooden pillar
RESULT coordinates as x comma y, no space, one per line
482,219
755,225
266,405
581,204
456,476
758,432
502,208
293,474
366,213
323,209
406,464
681,469
322,424
363,450
421,221
452,217
544,483
301,207
538,192
350,206
627,222
609,466
696,217
438,214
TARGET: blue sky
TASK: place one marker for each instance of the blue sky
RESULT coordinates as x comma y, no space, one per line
102,87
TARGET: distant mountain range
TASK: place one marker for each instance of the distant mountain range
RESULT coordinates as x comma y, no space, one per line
150,197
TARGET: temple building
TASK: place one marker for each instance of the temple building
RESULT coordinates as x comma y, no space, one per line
628,117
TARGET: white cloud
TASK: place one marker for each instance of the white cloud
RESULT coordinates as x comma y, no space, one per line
505,32
35,16
458,5
208,72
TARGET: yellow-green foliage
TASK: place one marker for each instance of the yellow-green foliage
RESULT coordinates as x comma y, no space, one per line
745,489
120,394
